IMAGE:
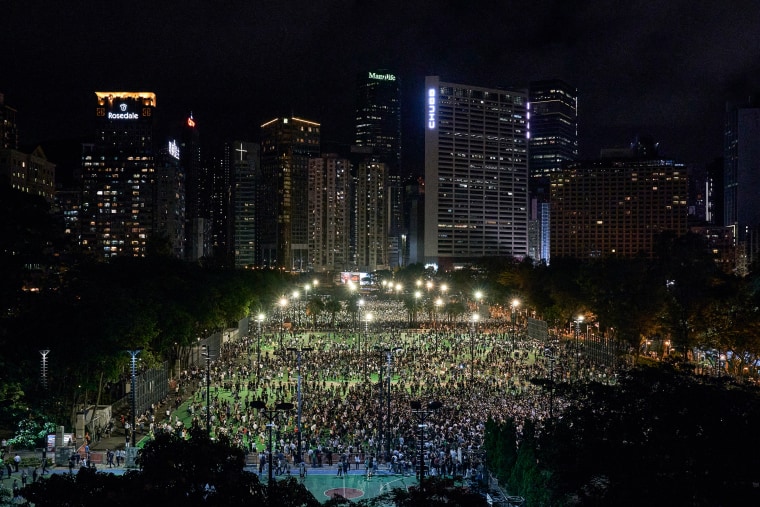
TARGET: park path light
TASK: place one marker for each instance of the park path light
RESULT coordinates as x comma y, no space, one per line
133,369
298,352
474,320
270,414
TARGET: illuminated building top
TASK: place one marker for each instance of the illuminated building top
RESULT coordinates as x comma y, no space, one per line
148,98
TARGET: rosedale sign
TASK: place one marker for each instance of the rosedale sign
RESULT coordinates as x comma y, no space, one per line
124,115
382,77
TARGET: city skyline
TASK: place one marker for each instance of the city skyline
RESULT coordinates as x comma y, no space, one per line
637,70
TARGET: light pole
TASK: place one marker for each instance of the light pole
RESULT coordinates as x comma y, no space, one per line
389,373
270,414
515,303
259,319
283,302
473,328
207,357
422,414
367,319
296,317
577,321
298,386
133,368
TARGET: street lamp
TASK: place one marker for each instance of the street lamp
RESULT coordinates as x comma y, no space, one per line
367,319
133,392
388,356
270,414
577,321
259,319
514,305
296,317
438,304
474,326
422,414
298,413
283,302
207,356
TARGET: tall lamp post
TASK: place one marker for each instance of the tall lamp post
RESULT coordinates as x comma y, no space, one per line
270,414
577,321
259,318
422,414
296,317
515,303
283,302
389,373
298,413
207,357
133,369
474,321
367,319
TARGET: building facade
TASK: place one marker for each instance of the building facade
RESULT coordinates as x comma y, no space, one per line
287,144
31,173
371,216
246,172
378,126
553,126
118,174
329,213
8,126
476,173
616,207
741,201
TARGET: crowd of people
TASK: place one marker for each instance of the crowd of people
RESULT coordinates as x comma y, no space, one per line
475,372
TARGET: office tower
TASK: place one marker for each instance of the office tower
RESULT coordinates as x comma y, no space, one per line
329,213
553,126
118,173
197,192
31,173
742,175
414,218
476,173
245,175
169,202
220,210
616,207
371,216
553,142
287,144
8,126
378,126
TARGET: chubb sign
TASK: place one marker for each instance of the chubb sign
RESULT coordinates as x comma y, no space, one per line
431,112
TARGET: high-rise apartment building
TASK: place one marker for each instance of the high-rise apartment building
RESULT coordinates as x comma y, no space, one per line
287,144
246,156
378,126
118,173
742,176
616,207
31,173
476,173
169,200
329,213
371,216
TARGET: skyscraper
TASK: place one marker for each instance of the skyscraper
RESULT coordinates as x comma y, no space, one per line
371,216
198,192
553,126
378,126
169,200
476,173
329,213
615,207
8,126
246,157
742,175
118,175
287,144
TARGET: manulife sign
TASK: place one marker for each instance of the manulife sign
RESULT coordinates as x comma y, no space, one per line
382,77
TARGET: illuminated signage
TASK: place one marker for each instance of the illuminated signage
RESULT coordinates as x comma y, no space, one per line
123,115
431,108
382,77
174,149
190,122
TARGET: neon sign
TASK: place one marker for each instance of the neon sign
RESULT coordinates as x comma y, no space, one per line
382,77
174,149
431,109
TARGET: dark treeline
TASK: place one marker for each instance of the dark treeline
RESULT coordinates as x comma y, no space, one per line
660,437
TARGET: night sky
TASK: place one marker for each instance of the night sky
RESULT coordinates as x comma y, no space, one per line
661,68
